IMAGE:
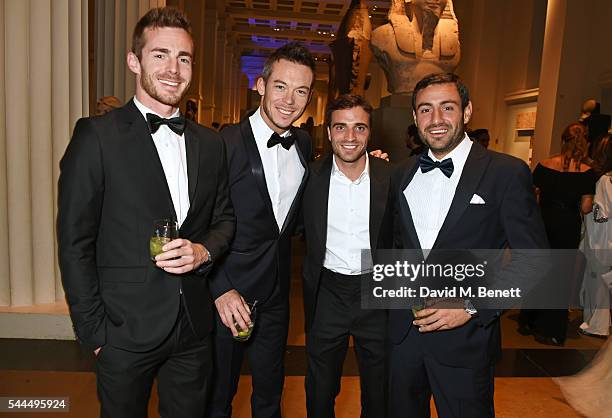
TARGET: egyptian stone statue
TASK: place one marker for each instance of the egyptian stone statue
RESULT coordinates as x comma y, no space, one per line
351,51
422,37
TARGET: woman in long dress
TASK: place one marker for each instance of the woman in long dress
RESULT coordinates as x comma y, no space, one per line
590,391
564,187
597,247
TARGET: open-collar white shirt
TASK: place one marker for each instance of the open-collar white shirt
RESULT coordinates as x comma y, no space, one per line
348,223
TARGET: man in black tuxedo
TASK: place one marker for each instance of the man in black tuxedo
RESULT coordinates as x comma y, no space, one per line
455,195
120,173
348,207
267,172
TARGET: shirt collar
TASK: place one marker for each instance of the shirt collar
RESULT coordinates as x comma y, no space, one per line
144,110
364,174
261,131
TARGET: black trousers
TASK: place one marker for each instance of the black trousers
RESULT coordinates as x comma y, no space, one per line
339,315
182,365
265,352
415,376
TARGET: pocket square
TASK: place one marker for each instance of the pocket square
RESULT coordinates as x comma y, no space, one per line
477,200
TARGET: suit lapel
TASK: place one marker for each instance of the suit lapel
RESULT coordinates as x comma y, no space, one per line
320,182
379,188
257,167
295,205
138,131
406,215
192,148
474,168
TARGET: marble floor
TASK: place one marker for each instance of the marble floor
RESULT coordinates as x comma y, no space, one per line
524,386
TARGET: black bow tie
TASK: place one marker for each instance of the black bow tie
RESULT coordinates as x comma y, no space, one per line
427,164
285,141
177,124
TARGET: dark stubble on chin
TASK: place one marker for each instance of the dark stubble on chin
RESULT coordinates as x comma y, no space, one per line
457,138
146,82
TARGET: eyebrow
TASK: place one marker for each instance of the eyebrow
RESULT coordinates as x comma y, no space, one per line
282,82
167,51
442,103
346,124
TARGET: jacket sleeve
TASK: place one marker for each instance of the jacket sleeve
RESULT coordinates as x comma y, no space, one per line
220,233
80,198
526,238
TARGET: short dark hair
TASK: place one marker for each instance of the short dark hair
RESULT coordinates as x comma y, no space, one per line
442,78
347,101
294,52
161,17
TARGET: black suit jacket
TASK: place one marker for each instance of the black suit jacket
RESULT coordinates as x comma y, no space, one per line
260,253
111,188
509,217
315,221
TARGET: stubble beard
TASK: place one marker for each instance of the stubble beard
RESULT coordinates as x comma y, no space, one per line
454,141
148,85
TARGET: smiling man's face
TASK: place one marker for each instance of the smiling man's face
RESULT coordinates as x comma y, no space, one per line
163,73
349,131
440,118
285,94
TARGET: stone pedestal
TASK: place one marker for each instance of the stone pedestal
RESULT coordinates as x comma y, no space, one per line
389,124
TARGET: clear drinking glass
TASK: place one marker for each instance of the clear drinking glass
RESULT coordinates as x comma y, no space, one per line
244,335
164,231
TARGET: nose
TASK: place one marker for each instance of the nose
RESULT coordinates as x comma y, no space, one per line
288,97
351,136
173,66
436,115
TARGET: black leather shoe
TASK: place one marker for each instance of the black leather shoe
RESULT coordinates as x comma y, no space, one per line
548,340
524,329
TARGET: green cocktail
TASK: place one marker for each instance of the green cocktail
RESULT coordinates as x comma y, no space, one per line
156,244
245,334
164,231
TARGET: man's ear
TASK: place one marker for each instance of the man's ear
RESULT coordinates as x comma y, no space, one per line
467,113
329,134
414,119
133,63
261,86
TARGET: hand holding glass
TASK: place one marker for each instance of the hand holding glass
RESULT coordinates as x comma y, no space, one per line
164,231
245,334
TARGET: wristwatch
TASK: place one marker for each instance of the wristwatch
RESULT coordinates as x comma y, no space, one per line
469,308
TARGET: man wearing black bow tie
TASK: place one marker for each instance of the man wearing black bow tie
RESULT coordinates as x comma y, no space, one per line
267,172
122,171
455,195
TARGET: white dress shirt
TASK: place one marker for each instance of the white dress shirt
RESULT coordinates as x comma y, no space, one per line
429,195
282,168
348,223
173,157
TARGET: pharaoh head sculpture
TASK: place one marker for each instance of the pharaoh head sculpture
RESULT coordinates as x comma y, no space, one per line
422,37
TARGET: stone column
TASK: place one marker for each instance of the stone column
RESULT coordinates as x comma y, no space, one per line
236,88
220,70
114,23
228,81
564,66
5,288
209,64
196,12
42,94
